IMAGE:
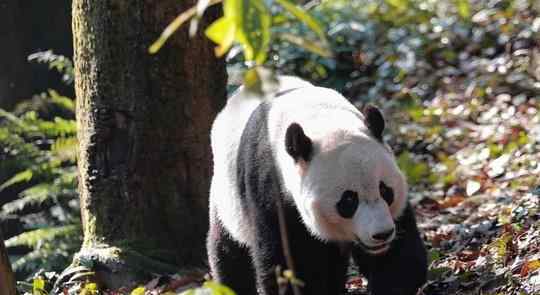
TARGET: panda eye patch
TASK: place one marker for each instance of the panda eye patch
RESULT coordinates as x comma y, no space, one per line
347,204
387,193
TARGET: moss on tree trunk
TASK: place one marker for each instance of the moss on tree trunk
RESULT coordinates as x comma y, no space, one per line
143,127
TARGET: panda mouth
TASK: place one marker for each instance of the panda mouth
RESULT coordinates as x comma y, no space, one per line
378,249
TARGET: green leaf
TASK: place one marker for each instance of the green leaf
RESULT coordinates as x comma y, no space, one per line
433,255
438,273
62,101
218,289
34,195
33,237
38,286
58,127
501,244
175,25
463,8
138,291
12,118
400,5
252,20
289,275
415,171
222,32
25,175
252,81
317,48
65,148
90,289
171,28
304,17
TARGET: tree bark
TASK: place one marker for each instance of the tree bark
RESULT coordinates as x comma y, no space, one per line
7,280
143,127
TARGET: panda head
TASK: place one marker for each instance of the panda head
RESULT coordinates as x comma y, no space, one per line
349,186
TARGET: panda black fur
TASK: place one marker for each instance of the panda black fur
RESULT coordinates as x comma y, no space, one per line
342,192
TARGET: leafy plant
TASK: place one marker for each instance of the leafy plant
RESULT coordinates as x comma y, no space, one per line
38,141
254,25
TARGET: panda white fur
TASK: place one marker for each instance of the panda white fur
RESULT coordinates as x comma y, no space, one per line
340,185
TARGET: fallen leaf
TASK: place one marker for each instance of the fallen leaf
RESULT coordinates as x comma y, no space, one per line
529,266
468,255
472,187
451,201
497,167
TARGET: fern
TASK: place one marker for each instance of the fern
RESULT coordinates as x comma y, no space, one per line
33,196
52,247
60,63
65,149
62,101
25,175
48,257
38,145
34,237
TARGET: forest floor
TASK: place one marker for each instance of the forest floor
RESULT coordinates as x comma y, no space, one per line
474,169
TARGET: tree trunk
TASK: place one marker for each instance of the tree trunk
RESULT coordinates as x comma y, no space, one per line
7,280
143,128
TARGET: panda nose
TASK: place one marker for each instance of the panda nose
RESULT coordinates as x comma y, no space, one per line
383,236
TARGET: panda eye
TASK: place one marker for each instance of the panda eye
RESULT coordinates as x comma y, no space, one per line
348,204
386,193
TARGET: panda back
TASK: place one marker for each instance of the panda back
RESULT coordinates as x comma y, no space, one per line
226,136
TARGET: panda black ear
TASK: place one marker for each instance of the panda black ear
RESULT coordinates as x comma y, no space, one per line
297,144
374,121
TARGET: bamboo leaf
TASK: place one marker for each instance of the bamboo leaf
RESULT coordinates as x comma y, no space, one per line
257,30
309,45
304,17
252,80
171,28
222,32
252,21
174,26
194,24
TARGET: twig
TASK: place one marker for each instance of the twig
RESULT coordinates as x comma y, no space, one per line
285,244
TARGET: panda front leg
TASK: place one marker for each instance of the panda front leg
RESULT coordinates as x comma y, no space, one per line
230,262
403,269
266,253
321,266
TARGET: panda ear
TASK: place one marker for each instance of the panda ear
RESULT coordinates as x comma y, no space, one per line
374,121
297,144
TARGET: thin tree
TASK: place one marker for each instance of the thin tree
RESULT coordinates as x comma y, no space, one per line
7,280
143,128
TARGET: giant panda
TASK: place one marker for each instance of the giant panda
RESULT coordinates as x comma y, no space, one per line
341,191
